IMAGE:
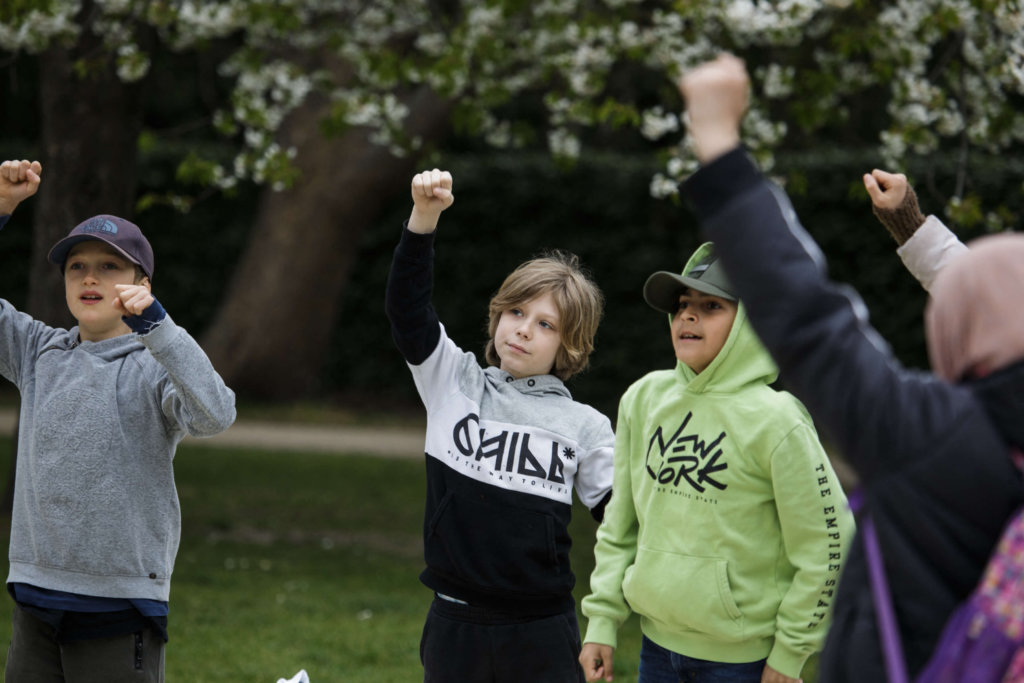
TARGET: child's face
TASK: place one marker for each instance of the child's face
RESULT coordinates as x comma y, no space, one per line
90,273
700,327
527,337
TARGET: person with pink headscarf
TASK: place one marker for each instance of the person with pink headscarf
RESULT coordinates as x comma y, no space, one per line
932,450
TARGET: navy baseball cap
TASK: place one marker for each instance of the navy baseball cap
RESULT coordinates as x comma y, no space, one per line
122,235
662,289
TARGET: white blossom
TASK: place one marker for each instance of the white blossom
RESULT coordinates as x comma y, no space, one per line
761,131
677,167
132,65
657,123
114,6
499,135
945,72
555,7
38,28
432,44
630,36
563,144
894,148
662,187
777,80
949,121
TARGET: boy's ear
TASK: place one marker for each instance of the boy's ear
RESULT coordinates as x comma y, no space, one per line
144,281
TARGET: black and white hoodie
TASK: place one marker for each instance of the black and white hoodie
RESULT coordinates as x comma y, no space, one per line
503,456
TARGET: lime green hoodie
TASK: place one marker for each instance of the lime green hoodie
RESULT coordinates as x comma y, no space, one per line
727,527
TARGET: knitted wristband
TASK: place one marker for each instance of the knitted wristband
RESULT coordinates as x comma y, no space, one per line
904,220
147,320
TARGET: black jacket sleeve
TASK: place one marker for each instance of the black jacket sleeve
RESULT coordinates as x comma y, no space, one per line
407,300
817,330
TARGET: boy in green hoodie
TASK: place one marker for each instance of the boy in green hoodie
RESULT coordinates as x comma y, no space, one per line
728,526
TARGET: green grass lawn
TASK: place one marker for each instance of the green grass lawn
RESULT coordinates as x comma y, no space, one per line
305,561
295,561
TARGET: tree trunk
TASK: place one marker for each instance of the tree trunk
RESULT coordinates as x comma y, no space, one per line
272,332
90,127
90,130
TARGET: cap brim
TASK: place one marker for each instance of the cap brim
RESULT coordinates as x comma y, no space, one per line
59,253
662,290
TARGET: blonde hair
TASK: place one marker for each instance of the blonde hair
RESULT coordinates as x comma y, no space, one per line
577,298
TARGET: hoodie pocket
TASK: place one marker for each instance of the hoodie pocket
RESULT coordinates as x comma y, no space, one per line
687,593
496,548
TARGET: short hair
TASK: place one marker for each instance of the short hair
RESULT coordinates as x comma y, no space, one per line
578,299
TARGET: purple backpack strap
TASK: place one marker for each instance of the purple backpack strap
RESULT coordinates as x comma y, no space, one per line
892,646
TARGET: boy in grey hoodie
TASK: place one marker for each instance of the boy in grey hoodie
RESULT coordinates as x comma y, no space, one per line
96,523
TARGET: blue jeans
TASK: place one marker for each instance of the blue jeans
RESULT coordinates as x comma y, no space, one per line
658,665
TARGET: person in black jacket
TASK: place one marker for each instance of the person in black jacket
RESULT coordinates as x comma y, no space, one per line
932,451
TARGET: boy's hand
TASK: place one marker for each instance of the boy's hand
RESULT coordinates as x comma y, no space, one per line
597,661
431,194
887,190
133,299
716,94
770,675
19,180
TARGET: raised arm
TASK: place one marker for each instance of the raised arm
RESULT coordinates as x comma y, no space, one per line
895,203
407,301
19,180
19,333
816,329
925,244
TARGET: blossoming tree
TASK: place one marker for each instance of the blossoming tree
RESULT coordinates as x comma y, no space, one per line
347,95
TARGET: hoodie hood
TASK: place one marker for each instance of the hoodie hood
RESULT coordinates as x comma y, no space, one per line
743,359
106,349
113,348
535,385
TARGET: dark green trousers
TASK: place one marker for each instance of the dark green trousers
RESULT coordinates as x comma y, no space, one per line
35,656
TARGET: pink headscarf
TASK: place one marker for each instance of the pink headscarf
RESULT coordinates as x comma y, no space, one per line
974,322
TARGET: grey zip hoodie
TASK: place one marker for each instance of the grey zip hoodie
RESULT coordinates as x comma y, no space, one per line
95,506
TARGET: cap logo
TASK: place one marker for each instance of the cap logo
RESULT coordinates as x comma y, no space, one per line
698,270
100,225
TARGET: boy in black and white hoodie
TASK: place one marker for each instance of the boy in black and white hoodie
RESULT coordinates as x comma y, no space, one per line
505,446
